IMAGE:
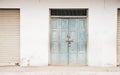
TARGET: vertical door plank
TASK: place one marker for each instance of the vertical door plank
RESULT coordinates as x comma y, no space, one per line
73,45
82,55
63,44
54,40
77,50
59,49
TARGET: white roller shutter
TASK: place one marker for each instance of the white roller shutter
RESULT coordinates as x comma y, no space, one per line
118,39
9,36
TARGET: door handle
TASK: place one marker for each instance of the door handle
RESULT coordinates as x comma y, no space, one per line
68,40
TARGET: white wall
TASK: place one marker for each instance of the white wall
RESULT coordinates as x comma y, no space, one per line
34,43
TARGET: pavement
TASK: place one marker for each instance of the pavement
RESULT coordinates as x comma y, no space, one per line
59,70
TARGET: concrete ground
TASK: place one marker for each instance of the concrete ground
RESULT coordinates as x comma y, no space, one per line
59,70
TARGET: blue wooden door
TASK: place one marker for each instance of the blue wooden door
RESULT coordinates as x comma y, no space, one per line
77,48
67,41
58,46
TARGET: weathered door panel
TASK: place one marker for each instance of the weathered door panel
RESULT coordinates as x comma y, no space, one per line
73,46
63,45
77,50
55,34
59,49
82,41
68,41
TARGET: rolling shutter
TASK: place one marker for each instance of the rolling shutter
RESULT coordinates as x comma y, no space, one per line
118,39
9,36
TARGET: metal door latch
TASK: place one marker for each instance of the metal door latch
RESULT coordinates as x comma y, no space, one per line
69,41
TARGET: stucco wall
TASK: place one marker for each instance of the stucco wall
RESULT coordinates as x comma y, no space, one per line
34,24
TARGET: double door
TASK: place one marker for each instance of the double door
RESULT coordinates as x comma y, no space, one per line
68,41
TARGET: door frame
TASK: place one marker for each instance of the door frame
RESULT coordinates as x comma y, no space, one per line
49,55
